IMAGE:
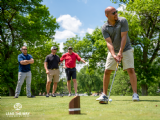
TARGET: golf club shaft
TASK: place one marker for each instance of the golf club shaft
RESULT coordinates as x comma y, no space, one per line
113,79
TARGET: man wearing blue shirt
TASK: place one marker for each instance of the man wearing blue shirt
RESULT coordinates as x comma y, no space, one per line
24,61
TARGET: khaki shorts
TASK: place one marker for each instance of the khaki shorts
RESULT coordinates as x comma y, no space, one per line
53,74
127,60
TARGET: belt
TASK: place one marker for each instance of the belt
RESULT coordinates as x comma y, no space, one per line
71,68
54,68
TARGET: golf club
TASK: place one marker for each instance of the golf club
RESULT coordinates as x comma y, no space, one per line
62,89
62,81
110,100
113,79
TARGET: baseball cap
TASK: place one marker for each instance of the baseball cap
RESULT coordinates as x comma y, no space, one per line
70,47
55,48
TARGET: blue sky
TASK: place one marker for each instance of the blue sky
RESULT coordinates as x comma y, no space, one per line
76,17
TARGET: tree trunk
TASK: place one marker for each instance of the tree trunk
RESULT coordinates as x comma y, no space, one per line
11,91
144,90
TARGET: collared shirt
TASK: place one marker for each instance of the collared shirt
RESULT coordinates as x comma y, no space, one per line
114,32
52,61
70,59
24,68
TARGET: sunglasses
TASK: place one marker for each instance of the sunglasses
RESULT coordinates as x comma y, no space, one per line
115,12
24,49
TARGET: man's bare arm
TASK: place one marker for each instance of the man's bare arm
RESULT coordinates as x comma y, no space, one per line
110,47
45,66
24,62
31,61
82,60
123,43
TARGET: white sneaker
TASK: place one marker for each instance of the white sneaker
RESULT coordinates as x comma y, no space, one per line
76,94
103,97
69,95
104,101
135,97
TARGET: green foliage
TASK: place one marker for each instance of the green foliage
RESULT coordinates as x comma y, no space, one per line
23,22
62,86
153,90
121,1
144,25
121,85
88,82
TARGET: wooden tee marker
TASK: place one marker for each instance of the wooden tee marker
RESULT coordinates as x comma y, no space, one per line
74,105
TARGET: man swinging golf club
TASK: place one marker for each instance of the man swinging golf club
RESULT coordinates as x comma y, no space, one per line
115,32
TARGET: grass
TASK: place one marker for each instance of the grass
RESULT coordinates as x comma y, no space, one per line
121,108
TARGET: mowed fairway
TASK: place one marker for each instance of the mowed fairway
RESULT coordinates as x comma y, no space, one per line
56,108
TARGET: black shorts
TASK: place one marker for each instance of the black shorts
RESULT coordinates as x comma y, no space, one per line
70,73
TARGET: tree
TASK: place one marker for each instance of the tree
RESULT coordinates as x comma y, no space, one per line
122,1
121,85
144,25
23,22
89,80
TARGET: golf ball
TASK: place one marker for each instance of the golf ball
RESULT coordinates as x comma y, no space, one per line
110,100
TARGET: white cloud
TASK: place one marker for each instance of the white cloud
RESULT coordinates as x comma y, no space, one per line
82,33
60,35
69,23
71,26
122,7
89,30
61,47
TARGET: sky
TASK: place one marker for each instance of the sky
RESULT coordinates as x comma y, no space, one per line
77,17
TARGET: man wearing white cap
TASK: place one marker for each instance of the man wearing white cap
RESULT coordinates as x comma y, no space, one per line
52,70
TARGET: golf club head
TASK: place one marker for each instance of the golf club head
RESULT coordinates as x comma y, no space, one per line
103,102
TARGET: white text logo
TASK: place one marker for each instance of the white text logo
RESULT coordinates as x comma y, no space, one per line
17,106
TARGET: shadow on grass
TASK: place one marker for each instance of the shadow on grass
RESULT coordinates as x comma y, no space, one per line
11,97
83,114
7,97
141,100
79,114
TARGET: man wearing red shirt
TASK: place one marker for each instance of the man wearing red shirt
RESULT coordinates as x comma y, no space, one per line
70,64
